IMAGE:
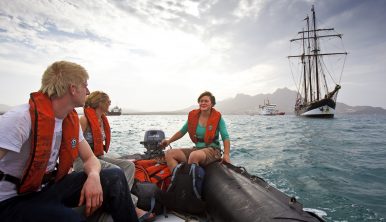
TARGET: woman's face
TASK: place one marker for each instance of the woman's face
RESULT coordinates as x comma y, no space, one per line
205,103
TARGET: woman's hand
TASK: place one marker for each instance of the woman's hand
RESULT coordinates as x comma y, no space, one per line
226,158
164,143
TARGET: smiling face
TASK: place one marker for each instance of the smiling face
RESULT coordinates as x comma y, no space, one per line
205,103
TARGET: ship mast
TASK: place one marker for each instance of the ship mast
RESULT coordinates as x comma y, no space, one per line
315,51
309,57
304,69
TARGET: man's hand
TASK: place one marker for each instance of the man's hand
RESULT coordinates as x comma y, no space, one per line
91,194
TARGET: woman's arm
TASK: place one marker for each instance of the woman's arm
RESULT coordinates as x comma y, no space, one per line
176,136
225,138
83,122
227,148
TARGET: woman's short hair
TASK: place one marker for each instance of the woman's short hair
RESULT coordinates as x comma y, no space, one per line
95,98
60,75
207,93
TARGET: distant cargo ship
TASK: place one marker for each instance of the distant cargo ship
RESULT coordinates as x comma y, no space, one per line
116,111
269,109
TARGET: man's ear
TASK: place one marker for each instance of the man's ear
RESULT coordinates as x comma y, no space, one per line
72,89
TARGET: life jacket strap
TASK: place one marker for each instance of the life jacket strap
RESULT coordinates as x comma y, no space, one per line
48,177
202,140
9,178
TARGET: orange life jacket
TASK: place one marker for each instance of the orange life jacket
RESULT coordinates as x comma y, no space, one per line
96,131
211,125
154,172
42,130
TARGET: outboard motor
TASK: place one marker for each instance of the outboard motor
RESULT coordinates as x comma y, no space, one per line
152,143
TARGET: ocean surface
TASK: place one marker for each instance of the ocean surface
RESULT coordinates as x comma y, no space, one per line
336,166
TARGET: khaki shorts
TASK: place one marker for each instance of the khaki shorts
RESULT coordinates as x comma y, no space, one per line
212,154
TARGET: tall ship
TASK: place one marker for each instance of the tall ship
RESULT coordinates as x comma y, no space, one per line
317,85
115,111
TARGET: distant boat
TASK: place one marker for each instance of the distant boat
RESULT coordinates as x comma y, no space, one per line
269,109
115,111
315,97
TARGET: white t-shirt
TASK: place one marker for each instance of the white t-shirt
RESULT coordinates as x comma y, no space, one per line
15,133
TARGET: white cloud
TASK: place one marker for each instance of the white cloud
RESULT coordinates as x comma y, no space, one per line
159,55
248,8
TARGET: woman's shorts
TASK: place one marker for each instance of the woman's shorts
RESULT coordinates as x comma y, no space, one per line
212,154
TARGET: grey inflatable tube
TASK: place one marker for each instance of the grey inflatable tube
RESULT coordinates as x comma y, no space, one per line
231,194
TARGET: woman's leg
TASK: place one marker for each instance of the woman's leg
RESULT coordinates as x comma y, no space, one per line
175,156
204,156
197,157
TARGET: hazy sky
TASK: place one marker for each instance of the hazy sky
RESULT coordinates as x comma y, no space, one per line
160,55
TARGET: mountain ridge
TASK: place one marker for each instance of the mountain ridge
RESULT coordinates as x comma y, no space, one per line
284,98
243,104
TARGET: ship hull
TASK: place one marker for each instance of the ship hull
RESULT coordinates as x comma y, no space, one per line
324,108
114,113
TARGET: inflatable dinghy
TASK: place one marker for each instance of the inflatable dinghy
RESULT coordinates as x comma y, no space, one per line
231,194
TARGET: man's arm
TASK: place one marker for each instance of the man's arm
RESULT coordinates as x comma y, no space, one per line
92,193
2,152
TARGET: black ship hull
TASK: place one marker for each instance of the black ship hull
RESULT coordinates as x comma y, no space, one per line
324,108
114,113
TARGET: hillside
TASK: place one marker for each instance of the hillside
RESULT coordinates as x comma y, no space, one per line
245,104
284,99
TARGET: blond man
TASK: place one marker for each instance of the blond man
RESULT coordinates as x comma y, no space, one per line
39,142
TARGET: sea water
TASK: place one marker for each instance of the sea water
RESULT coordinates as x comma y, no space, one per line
335,166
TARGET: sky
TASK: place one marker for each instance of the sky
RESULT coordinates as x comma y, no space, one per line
160,55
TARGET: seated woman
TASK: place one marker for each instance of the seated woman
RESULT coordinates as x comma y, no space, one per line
96,131
204,126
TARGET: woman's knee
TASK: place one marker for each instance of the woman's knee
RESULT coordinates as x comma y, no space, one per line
175,154
127,166
170,154
196,157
